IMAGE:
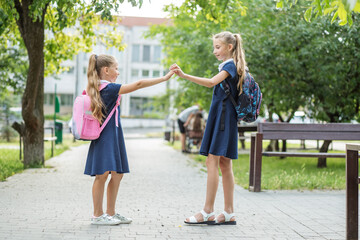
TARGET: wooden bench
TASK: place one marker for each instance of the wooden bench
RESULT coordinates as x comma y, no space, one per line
245,128
46,139
288,131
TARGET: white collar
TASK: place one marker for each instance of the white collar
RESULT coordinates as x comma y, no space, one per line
104,81
221,65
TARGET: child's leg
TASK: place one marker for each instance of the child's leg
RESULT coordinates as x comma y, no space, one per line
112,191
228,186
212,164
182,140
98,193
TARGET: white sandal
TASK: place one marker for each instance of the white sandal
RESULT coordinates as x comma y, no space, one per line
227,219
206,216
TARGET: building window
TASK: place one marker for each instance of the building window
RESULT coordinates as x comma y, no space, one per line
135,55
157,54
49,99
146,53
145,73
66,99
139,105
156,73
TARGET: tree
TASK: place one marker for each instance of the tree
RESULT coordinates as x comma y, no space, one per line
312,65
43,26
335,96
337,9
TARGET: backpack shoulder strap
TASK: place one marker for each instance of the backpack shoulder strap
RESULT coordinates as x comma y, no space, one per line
114,109
102,86
226,87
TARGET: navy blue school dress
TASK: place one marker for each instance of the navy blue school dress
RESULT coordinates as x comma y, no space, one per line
217,142
108,153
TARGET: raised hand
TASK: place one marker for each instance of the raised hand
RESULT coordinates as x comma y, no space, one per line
177,70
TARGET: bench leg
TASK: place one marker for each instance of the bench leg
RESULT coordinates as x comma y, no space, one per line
352,194
258,162
242,141
252,163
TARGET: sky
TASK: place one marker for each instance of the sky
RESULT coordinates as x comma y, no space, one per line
150,8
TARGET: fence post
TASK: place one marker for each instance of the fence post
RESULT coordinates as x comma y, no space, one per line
258,162
352,191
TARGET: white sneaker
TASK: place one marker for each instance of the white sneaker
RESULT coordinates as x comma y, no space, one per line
105,220
123,220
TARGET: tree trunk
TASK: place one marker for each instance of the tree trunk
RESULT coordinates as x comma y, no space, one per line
32,31
270,147
7,124
273,145
283,148
324,148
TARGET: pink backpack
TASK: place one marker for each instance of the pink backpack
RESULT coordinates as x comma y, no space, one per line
84,125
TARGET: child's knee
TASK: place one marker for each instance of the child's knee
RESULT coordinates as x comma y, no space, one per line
212,161
102,177
225,164
116,176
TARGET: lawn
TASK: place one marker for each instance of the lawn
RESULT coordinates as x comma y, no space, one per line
288,173
9,158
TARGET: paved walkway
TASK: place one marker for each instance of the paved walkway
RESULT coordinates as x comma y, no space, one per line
163,188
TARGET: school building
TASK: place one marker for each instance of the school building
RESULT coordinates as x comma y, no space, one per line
140,59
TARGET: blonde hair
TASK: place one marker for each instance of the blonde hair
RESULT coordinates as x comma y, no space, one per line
238,54
96,63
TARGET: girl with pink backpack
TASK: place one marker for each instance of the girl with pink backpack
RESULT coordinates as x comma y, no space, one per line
107,153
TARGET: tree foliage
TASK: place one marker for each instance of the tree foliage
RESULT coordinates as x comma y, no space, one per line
340,10
298,64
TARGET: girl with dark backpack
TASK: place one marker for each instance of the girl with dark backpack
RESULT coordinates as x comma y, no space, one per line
220,141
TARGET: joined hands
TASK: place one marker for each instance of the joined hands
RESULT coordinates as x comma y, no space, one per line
177,70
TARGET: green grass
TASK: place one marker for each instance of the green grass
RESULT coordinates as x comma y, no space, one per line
293,173
9,163
9,158
289,173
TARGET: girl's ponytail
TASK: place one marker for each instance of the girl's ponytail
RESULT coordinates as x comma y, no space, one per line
239,59
93,74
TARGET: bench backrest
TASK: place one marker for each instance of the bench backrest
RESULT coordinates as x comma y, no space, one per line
310,131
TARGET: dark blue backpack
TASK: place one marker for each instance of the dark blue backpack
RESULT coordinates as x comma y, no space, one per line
248,103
